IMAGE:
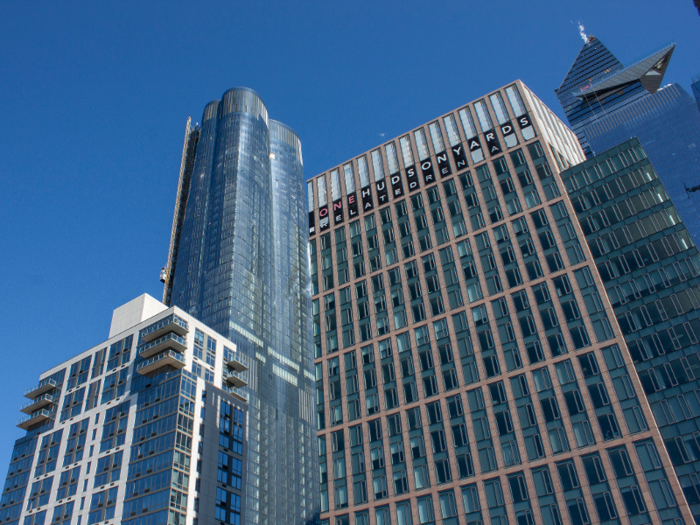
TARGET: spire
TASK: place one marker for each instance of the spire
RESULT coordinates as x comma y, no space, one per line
593,62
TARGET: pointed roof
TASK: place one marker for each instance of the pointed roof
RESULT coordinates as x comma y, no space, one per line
593,62
649,71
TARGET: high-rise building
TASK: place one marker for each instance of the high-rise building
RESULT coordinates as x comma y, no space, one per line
651,271
598,84
230,346
131,432
238,262
470,367
607,104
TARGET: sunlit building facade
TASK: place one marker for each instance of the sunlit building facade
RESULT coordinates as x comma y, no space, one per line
467,355
131,431
238,262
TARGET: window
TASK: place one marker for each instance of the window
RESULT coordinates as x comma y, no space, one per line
425,510
448,505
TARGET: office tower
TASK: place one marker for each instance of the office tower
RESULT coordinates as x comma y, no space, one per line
607,104
651,271
469,365
130,431
238,262
598,84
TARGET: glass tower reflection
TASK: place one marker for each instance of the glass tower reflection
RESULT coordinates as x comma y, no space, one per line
238,262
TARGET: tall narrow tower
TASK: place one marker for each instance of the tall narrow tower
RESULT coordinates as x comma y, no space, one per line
238,262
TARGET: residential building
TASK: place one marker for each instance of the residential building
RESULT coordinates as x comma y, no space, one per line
238,262
607,104
651,271
142,428
467,356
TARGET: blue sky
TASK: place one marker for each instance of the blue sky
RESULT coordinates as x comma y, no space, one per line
95,97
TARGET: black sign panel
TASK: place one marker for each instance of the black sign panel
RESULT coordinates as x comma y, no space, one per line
338,211
458,156
524,121
426,167
507,129
492,144
412,178
312,224
367,203
382,196
443,164
323,222
352,205
396,186
474,144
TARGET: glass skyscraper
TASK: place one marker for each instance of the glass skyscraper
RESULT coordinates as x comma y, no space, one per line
607,104
597,84
238,262
470,367
172,421
651,271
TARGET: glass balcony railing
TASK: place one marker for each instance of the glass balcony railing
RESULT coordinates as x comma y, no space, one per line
171,323
39,402
44,386
35,417
237,379
238,393
170,340
168,358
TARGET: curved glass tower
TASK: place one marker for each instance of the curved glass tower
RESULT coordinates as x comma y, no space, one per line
238,262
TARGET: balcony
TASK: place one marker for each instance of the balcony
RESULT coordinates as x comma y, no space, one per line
168,341
239,394
235,365
37,417
44,386
39,402
169,360
235,379
172,323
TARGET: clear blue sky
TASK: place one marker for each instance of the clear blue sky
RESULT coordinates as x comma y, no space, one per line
95,96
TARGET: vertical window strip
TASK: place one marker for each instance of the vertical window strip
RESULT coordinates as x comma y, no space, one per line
436,137
392,159
335,185
377,165
482,114
349,178
421,144
321,186
499,108
452,131
310,195
516,101
406,151
465,115
363,169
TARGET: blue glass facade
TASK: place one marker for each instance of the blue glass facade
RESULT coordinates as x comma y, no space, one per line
593,63
238,262
696,89
651,271
667,124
